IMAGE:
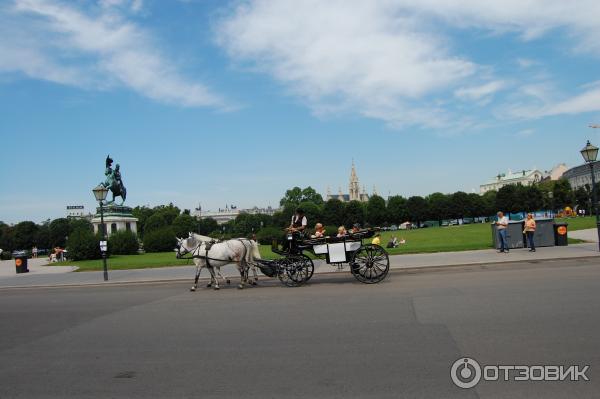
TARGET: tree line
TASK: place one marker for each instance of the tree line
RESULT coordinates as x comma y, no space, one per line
158,226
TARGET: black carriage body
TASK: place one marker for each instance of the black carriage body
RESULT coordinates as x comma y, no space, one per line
368,263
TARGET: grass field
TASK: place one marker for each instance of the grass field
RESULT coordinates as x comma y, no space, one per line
437,239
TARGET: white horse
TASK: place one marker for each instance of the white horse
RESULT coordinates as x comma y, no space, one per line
213,255
255,255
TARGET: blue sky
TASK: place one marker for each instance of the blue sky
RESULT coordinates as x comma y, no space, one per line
218,102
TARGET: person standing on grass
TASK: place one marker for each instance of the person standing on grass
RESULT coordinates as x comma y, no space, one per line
530,231
501,226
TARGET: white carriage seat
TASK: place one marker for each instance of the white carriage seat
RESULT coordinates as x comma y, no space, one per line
320,249
352,246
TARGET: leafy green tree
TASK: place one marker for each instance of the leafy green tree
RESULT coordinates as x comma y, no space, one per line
184,224
459,205
169,212
42,237
312,212
6,238
142,213
489,203
24,235
417,209
476,206
583,198
376,211
562,194
396,209
355,213
333,212
207,225
59,231
506,199
534,200
294,196
78,223
155,222
439,206
283,217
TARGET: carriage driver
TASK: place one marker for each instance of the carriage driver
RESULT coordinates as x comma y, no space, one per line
299,222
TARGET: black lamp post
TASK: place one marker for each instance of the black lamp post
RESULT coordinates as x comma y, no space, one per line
589,154
100,193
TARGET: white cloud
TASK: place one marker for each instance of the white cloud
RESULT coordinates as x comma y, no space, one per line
390,59
94,48
481,92
368,56
525,62
525,133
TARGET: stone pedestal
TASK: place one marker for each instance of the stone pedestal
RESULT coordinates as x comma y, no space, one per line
116,218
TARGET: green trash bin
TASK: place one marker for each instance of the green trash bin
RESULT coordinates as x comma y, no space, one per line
560,234
21,264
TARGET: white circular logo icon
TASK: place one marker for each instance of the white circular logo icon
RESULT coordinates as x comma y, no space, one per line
465,372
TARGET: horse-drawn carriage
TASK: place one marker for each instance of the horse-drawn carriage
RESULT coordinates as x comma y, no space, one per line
369,263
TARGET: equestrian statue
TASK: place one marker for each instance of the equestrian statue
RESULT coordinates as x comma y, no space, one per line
113,181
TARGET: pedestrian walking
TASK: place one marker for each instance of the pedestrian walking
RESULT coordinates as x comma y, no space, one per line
501,226
530,231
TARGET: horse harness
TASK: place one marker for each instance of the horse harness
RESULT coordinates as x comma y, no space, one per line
208,245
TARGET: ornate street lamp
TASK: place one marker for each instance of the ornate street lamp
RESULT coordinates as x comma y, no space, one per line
589,154
100,193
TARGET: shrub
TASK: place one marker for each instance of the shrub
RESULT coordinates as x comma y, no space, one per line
268,234
160,240
83,244
123,243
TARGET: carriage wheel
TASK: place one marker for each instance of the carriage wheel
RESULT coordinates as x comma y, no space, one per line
295,270
370,264
304,268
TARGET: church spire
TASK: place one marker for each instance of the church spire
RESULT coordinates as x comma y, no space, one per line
354,187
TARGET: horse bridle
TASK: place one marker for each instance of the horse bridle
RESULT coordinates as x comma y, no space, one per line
187,251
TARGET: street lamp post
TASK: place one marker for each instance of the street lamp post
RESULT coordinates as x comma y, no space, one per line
100,193
589,154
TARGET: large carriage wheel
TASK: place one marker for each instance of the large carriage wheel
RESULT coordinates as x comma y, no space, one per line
370,264
295,270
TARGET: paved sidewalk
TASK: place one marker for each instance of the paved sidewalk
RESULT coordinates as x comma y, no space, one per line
590,235
61,275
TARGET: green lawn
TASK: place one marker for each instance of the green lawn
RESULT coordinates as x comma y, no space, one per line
436,239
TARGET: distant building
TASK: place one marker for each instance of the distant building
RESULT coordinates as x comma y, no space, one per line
580,176
557,172
524,177
230,212
354,193
76,211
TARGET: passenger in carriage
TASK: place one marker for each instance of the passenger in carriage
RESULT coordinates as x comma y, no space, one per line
341,231
355,228
319,231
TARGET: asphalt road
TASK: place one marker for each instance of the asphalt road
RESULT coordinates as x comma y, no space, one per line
332,338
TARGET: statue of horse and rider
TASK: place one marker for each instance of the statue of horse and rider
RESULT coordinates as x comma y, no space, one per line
113,181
